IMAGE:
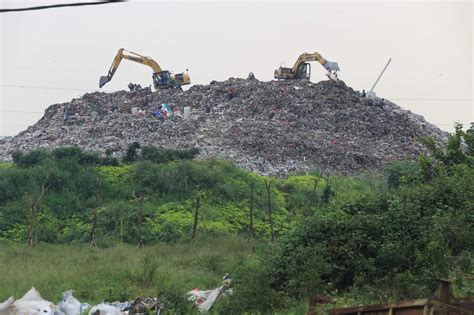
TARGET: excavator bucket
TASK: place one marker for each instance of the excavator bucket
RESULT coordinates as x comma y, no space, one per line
331,66
103,80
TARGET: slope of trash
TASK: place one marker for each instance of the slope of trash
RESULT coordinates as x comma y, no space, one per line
272,127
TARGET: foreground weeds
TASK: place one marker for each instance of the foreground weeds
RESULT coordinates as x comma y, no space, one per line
119,272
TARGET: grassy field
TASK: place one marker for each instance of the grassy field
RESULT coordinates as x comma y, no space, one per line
120,272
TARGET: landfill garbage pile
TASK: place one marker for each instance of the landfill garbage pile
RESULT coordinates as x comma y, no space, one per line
274,127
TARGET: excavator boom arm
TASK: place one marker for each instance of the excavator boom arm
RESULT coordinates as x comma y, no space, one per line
125,54
143,60
305,57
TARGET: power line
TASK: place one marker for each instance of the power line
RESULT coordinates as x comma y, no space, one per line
443,124
433,99
59,5
19,111
45,88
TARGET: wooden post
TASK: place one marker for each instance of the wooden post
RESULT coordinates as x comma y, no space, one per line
140,222
35,204
31,222
250,231
313,194
196,214
94,226
141,200
328,192
94,213
121,229
270,210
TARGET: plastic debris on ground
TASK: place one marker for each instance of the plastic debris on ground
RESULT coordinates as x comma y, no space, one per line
69,305
107,309
31,303
205,299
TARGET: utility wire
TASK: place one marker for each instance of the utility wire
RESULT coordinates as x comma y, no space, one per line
433,99
59,5
19,111
45,88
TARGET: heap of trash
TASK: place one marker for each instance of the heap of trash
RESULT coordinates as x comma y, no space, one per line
272,127
33,304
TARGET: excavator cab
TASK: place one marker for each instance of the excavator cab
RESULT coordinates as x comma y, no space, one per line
304,72
166,80
162,80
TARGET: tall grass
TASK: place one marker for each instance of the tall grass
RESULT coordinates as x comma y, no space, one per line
119,272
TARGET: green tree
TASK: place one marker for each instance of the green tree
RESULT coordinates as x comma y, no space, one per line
459,147
132,153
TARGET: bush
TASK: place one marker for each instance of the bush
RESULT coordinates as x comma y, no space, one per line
75,155
399,172
29,159
131,155
161,155
253,291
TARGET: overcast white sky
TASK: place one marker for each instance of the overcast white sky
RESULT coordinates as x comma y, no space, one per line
59,54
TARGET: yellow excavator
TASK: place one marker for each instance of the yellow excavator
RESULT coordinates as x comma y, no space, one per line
162,79
302,69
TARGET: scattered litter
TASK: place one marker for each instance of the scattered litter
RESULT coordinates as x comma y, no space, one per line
134,87
69,305
146,305
134,111
7,306
106,309
187,112
166,110
32,303
205,299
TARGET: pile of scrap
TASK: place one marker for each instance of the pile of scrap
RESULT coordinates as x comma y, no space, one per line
272,127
